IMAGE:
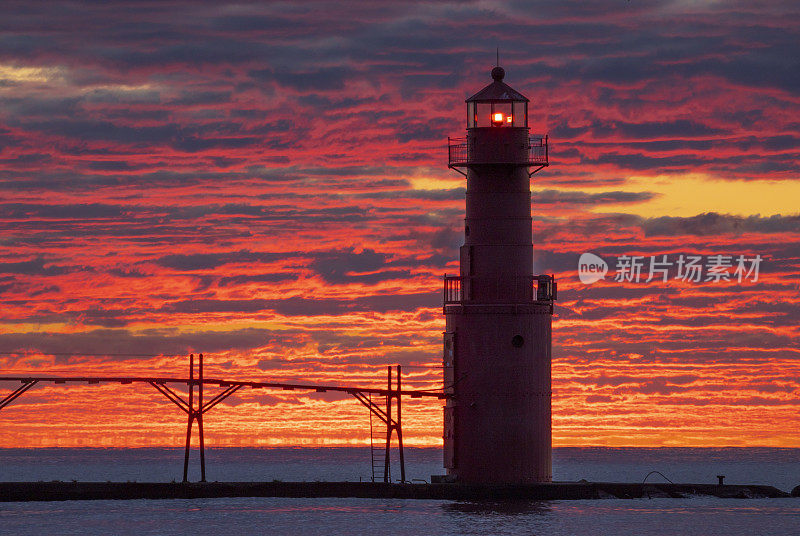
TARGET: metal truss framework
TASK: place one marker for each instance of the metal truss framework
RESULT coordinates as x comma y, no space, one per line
195,410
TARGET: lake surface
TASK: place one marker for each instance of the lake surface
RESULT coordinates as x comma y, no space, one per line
700,516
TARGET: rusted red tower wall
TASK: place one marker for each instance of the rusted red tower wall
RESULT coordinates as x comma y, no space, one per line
498,335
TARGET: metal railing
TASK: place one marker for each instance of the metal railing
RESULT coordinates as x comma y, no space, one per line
538,151
452,289
458,289
459,153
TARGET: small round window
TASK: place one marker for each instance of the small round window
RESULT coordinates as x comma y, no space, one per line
517,341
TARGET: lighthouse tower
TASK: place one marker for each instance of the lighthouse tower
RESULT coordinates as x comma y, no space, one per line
497,342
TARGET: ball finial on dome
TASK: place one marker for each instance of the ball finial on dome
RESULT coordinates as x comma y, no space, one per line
498,73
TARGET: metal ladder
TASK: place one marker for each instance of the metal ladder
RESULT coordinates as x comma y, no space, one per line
381,471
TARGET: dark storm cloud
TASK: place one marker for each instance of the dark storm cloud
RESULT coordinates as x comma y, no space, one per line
596,227
127,272
275,277
660,301
779,143
420,131
677,53
120,341
193,144
188,139
659,55
207,261
654,129
370,267
31,106
79,211
191,98
338,266
141,213
107,131
114,165
551,197
567,33
37,266
714,344
714,224
639,162
170,224
710,224
317,80
298,306
452,194
338,341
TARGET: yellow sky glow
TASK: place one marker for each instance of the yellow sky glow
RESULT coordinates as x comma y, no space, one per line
12,73
696,193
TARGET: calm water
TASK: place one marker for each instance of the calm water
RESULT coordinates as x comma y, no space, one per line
700,516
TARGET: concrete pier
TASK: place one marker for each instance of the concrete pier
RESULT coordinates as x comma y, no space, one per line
72,491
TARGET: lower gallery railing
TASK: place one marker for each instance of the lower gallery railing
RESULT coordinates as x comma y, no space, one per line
461,289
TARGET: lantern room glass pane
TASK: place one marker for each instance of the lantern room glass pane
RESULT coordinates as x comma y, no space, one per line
501,113
520,114
470,115
497,113
483,113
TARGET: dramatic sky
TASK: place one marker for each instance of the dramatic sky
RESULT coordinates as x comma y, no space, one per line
267,183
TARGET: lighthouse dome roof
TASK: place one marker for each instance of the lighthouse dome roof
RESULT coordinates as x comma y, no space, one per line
498,90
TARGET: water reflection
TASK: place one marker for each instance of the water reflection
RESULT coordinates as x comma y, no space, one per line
509,508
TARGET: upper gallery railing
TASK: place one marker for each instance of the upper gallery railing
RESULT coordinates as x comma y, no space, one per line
459,153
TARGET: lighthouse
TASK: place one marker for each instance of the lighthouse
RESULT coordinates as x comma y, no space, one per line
497,340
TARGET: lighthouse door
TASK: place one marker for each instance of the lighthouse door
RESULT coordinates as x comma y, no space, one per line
449,380
449,438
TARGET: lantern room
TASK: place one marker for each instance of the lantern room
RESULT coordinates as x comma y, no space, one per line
497,105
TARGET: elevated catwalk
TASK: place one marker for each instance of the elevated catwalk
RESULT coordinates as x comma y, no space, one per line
384,404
